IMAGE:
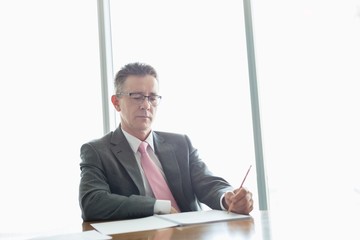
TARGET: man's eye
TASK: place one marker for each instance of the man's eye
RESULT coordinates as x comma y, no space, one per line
137,96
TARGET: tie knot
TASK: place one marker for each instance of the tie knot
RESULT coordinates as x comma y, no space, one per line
142,147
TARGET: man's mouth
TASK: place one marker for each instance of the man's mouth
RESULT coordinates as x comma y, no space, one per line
143,116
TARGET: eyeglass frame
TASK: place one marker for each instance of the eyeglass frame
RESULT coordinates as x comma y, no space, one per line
143,97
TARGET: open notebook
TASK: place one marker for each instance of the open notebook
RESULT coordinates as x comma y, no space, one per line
166,221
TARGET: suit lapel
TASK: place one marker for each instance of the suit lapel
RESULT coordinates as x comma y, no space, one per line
125,155
167,157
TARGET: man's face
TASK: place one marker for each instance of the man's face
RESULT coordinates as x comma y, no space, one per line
137,116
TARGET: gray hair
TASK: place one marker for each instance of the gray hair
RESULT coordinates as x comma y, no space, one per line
132,69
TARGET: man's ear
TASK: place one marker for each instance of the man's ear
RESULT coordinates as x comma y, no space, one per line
115,101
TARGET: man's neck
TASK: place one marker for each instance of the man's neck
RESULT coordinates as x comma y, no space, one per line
141,135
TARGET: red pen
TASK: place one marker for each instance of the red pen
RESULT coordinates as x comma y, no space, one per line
229,209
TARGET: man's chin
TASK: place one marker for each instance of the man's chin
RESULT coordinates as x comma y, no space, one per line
145,127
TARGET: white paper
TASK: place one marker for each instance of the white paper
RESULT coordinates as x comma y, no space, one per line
87,235
133,225
187,218
165,221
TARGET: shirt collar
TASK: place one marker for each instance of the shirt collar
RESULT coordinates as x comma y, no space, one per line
135,142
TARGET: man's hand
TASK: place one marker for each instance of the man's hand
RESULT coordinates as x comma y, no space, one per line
173,210
240,201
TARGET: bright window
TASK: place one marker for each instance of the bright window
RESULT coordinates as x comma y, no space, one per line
308,56
199,51
50,103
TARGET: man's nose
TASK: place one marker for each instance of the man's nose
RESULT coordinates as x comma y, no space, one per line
146,103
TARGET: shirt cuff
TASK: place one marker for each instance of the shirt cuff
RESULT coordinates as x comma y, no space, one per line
221,200
162,207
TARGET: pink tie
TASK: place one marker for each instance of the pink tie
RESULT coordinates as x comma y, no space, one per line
156,180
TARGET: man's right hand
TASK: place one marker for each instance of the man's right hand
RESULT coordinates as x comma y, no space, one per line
173,210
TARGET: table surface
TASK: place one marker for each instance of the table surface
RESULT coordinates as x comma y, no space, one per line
235,229
263,225
293,224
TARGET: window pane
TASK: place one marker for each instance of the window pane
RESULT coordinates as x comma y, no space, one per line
50,102
199,51
308,68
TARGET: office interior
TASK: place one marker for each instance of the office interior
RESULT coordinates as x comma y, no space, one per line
304,68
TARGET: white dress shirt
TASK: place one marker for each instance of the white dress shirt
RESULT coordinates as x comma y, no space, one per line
161,206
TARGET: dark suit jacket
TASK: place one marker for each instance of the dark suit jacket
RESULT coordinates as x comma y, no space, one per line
111,185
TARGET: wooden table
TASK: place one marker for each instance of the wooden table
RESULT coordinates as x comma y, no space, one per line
237,229
318,223
263,225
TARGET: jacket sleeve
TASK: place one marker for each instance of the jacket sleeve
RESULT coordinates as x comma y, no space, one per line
197,182
96,200
208,187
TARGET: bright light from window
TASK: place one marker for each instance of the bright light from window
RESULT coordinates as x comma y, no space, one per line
199,51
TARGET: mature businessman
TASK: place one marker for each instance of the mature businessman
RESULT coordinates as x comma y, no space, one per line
115,185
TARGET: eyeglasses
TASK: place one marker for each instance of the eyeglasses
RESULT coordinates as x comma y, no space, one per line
139,98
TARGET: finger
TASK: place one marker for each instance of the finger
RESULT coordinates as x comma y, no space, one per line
229,196
241,193
244,205
173,210
229,200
